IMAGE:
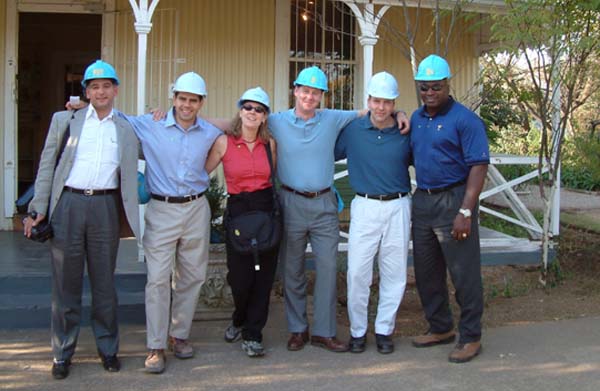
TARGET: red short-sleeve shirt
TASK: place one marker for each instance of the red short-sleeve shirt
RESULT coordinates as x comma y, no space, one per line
245,170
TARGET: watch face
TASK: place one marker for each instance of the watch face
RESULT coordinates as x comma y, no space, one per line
465,212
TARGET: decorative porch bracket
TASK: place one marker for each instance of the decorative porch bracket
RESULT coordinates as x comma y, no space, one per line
368,22
143,24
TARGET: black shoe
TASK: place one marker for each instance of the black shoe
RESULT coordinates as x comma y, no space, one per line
60,369
385,345
111,363
358,345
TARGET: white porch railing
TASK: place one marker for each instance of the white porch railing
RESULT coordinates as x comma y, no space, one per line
498,186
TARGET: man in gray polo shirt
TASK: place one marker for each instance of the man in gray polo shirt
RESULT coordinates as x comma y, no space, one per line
305,140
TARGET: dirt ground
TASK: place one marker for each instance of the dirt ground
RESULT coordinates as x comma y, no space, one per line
513,294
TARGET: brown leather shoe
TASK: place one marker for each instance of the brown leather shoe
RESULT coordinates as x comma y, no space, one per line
332,344
465,352
297,341
432,339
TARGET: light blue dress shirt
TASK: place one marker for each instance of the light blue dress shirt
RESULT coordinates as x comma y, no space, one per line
175,157
305,148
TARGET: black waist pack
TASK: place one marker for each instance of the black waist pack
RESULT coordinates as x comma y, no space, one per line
254,231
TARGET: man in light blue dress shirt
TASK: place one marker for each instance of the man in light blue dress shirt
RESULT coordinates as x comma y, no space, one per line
177,220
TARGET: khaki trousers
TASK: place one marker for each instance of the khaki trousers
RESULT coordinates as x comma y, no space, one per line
175,241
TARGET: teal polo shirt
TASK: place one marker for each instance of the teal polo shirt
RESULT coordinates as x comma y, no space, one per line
305,148
378,159
446,145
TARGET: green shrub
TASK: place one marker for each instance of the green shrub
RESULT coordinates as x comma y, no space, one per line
581,163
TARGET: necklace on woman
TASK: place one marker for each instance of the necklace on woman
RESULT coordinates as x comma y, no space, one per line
249,141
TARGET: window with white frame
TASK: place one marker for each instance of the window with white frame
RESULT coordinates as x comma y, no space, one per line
323,34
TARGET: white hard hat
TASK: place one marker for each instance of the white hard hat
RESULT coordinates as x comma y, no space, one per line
383,85
190,82
257,95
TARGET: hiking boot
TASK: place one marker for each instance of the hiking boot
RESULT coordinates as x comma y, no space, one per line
432,339
155,362
465,352
232,333
253,348
181,348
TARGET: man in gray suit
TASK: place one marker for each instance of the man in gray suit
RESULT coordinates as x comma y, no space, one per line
82,196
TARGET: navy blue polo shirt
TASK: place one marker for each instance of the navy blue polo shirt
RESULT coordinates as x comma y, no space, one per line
378,159
446,145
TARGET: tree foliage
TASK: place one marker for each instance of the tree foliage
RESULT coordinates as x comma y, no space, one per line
546,53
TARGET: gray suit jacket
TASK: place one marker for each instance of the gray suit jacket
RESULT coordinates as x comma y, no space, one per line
50,182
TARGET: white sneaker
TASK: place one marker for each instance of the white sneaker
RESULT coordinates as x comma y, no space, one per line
232,333
253,348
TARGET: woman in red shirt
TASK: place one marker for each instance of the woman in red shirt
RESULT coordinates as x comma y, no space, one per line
243,152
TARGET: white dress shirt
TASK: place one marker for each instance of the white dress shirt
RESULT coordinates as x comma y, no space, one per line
97,155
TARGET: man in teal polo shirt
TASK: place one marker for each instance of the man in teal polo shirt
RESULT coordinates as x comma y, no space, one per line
378,159
451,155
305,142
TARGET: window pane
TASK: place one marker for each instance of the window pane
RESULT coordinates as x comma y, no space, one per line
323,34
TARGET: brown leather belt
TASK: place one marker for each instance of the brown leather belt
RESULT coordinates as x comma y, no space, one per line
442,189
90,192
176,199
382,197
307,194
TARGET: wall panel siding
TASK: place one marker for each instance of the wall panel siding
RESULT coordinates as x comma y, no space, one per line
229,42
391,53
4,223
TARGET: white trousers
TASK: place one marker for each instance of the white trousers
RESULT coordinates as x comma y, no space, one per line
383,228
175,241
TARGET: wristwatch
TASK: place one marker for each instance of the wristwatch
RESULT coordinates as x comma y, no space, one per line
465,212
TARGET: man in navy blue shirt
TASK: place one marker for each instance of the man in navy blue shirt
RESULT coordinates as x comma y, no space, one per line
451,155
378,159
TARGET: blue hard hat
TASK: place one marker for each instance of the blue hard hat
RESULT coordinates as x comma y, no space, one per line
312,77
433,68
99,70
257,95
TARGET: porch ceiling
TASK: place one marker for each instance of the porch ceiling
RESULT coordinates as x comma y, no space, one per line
482,6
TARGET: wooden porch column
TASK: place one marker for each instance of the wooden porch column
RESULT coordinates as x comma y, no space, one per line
143,24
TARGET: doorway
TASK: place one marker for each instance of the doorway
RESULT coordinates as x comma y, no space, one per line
54,50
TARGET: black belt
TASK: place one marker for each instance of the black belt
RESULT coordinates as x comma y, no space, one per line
382,197
442,189
90,192
307,194
177,199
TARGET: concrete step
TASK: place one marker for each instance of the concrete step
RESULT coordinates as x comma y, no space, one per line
26,302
